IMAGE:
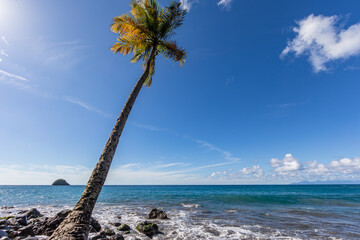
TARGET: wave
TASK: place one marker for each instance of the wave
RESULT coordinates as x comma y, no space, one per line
183,223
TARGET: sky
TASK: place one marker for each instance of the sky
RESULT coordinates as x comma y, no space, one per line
269,94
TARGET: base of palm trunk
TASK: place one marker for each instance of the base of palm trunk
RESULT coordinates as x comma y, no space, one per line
74,227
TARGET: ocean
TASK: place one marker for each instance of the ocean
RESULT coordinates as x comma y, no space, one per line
210,212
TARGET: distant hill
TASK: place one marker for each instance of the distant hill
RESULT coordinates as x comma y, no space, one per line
60,182
327,182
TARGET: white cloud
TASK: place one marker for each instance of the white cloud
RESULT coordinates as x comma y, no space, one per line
85,105
186,4
2,52
12,76
291,169
225,3
4,40
42,174
345,165
287,166
227,155
315,168
255,172
323,41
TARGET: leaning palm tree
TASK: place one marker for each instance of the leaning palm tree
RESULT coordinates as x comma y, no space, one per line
145,32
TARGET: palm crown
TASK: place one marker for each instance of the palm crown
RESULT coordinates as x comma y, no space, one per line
148,29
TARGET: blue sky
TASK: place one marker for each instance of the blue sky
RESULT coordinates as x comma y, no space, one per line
269,94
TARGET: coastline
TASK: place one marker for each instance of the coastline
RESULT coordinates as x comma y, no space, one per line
210,212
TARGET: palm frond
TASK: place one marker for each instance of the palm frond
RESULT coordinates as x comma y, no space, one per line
146,32
171,19
125,45
127,25
170,50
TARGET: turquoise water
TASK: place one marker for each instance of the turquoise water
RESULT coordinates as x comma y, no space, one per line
213,212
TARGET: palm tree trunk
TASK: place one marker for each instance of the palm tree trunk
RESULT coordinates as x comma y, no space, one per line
76,224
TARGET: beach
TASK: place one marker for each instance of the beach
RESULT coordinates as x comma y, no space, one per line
208,212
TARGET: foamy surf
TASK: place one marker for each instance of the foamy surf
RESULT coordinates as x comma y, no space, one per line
181,225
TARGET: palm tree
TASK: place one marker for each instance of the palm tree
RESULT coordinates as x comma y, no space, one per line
145,32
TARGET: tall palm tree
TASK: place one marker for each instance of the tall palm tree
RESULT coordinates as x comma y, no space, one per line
146,32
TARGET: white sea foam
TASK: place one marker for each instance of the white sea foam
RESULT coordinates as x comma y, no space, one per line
183,224
189,205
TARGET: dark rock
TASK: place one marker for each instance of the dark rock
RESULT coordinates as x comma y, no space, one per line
60,182
148,228
109,232
116,224
4,228
32,213
13,234
48,225
116,237
123,227
13,223
95,224
92,230
3,222
100,236
155,213
7,207
22,220
3,234
26,231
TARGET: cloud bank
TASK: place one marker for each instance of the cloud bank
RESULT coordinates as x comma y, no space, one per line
322,40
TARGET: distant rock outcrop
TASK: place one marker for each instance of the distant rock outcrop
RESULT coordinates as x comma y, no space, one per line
60,182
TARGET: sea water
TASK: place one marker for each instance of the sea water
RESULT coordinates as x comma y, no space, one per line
210,212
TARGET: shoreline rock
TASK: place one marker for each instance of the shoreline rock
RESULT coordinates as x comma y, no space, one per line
32,225
148,228
157,214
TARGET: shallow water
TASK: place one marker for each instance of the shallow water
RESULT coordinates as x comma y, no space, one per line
211,212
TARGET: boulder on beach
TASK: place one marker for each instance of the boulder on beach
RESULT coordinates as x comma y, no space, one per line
20,227
32,213
148,228
155,213
124,228
60,182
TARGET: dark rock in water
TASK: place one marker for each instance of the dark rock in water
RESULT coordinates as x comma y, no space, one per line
116,237
155,213
116,224
3,222
32,213
95,225
109,232
7,207
100,236
48,225
148,228
123,227
60,182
